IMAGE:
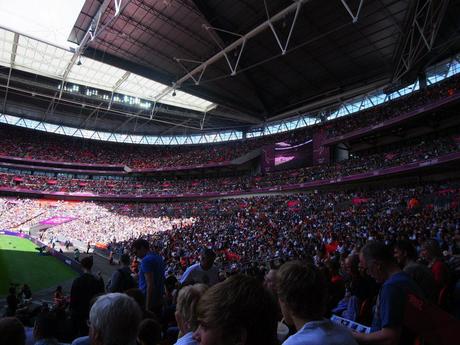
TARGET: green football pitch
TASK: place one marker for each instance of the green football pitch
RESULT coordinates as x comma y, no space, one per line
20,263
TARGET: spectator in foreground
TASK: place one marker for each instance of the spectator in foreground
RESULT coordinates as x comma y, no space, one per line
114,319
84,289
270,280
203,272
186,312
12,302
12,331
149,332
387,325
121,279
151,275
45,329
302,293
139,297
237,311
432,254
406,256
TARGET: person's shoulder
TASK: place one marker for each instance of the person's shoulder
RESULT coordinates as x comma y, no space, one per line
295,339
152,257
398,279
194,267
82,341
399,284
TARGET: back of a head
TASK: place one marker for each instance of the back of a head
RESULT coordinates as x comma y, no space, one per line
353,262
125,259
141,243
378,251
114,319
12,331
149,332
407,247
432,248
239,305
138,296
208,253
87,263
303,288
187,301
45,325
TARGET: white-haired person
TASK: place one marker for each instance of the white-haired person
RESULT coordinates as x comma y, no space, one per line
186,317
114,319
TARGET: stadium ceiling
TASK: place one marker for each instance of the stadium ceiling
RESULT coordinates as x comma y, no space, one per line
138,64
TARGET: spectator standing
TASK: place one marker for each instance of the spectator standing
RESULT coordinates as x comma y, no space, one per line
84,289
204,272
122,279
151,276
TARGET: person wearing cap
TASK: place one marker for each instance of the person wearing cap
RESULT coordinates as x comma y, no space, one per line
204,272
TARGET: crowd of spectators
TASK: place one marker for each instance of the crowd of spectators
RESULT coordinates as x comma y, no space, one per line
23,143
247,228
417,150
251,237
250,270
400,106
30,144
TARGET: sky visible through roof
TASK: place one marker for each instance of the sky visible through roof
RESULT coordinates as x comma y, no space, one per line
47,20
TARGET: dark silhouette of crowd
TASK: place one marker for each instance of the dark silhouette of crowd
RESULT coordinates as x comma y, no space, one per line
338,248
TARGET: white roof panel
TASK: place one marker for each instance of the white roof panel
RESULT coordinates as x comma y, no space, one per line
51,61
38,57
96,74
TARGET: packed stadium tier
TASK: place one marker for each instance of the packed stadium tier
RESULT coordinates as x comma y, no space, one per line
243,230
449,88
396,155
30,144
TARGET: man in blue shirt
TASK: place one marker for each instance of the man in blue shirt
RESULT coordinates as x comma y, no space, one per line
151,275
387,324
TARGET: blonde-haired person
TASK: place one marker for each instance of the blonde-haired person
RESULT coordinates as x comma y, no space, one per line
186,318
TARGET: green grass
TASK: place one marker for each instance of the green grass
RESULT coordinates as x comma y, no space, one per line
20,263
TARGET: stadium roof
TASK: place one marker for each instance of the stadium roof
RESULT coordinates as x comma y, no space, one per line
258,61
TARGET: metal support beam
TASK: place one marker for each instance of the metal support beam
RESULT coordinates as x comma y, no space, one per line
238,43
115,87
91,34
354,17
202,121
12,62
278,40
421,35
